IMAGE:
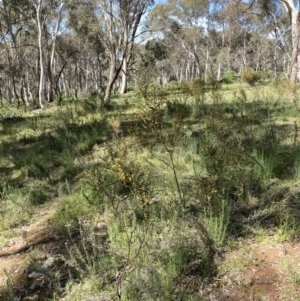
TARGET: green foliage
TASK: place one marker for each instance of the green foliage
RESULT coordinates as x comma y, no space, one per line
264,75
72,209
38,195
90,257
15,207
229,172
177,110
288,227
265,167
145,283
217,224
197,86
196,89
130,88
229,77
250,76
119,180
173,85
153,86
88,105
253,77
10,295
172,177
155,50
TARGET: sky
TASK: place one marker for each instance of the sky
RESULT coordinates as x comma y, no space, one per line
160,1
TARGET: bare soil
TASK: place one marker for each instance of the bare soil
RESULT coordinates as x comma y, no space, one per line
23,256
267,271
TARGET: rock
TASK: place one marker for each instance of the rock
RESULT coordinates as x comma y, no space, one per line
36,275
34,297
50,262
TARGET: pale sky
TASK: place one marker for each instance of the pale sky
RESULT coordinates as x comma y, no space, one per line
161,1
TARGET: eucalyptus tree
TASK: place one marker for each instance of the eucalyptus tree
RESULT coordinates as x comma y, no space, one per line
272,9
45,11
13,30
40,19
150,61
120,20
25,28
87,35
51,68
185,22
293,13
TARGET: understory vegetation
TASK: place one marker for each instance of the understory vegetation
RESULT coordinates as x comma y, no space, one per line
149,193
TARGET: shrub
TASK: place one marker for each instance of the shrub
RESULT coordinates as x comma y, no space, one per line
173,84
130,88
175,109
39,195
72,208
153,86
264,75
250,76
119,178
229,172
198,84
229,77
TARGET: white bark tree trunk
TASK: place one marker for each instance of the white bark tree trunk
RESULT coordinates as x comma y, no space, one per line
25,90
295,62
245,51
123,88
222,51
113,74
9,93
206,64
51,71
122,23
294,16
40,46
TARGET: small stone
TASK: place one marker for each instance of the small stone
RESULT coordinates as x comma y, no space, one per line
49,262
34,297
35,275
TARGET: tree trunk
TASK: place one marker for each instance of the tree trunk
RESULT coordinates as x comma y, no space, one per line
197,60
181,75
123,88
41,83
275,61
294,16
295,62
111,81
51,64
25,90
187,70
113,75
108,92
222,51
9,93
206,64
245,51
87,76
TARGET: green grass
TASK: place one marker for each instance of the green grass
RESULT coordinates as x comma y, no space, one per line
175,179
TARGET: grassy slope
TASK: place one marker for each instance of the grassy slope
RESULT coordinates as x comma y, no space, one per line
152,194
